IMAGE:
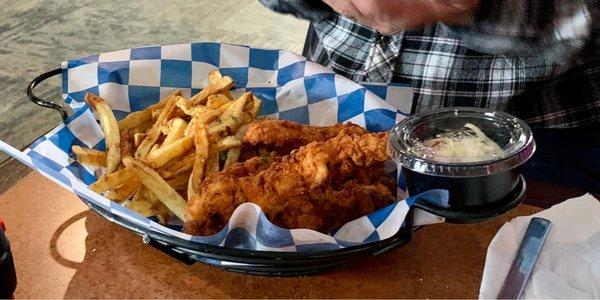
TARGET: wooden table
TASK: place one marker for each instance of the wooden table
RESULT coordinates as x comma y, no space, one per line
62,249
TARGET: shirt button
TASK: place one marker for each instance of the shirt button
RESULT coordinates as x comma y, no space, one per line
384,40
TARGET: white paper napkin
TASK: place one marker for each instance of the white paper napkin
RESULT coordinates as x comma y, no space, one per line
569,264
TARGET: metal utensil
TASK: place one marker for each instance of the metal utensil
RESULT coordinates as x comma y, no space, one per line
529,251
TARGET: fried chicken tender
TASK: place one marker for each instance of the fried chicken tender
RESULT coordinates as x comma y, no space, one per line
319,186
283,136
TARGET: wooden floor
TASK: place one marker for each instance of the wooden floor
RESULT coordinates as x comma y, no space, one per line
37,35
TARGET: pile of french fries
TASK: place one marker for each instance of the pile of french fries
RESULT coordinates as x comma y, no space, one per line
158,157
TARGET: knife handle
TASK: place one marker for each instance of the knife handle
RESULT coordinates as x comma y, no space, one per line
529,251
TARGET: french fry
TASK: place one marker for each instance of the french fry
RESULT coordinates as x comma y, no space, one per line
109,125
135,119
179,181
231,119
202,118
166,127
216,101
226,106
140,118
221,84
255,106
158,186
173,150
188,107
90,157
177,131
140,205
113,180
157,108
247,118
156,113
214,123
214,76
154,148
163,102
177,166
154,132
125,191
233,155
208,116
223,127
189,131
160,210
202,145
141,128
146,204
177,113
249,104
228,142
138,138
227,94
162,214
242,131
126,144
212,162
236,107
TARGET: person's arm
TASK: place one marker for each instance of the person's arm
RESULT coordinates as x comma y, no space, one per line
313,10
554,29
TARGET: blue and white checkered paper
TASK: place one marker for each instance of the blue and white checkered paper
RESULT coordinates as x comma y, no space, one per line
290,87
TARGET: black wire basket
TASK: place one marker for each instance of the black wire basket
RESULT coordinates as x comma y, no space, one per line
239,260
271,263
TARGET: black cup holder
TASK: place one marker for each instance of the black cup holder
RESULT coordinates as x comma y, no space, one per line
474,214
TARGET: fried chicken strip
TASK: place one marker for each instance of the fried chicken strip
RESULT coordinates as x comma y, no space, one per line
283,136
319,186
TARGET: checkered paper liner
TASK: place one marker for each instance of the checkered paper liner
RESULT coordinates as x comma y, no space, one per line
291,88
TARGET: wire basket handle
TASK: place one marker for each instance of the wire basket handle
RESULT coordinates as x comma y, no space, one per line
41,102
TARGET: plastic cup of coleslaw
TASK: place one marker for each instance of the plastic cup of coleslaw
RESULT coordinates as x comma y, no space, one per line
472,153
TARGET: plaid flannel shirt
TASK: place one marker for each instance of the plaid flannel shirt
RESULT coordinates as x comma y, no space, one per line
537,59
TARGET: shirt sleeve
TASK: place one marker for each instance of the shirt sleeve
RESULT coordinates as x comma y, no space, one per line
312,10
554,29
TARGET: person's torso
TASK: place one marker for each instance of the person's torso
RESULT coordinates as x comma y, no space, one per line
444,72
